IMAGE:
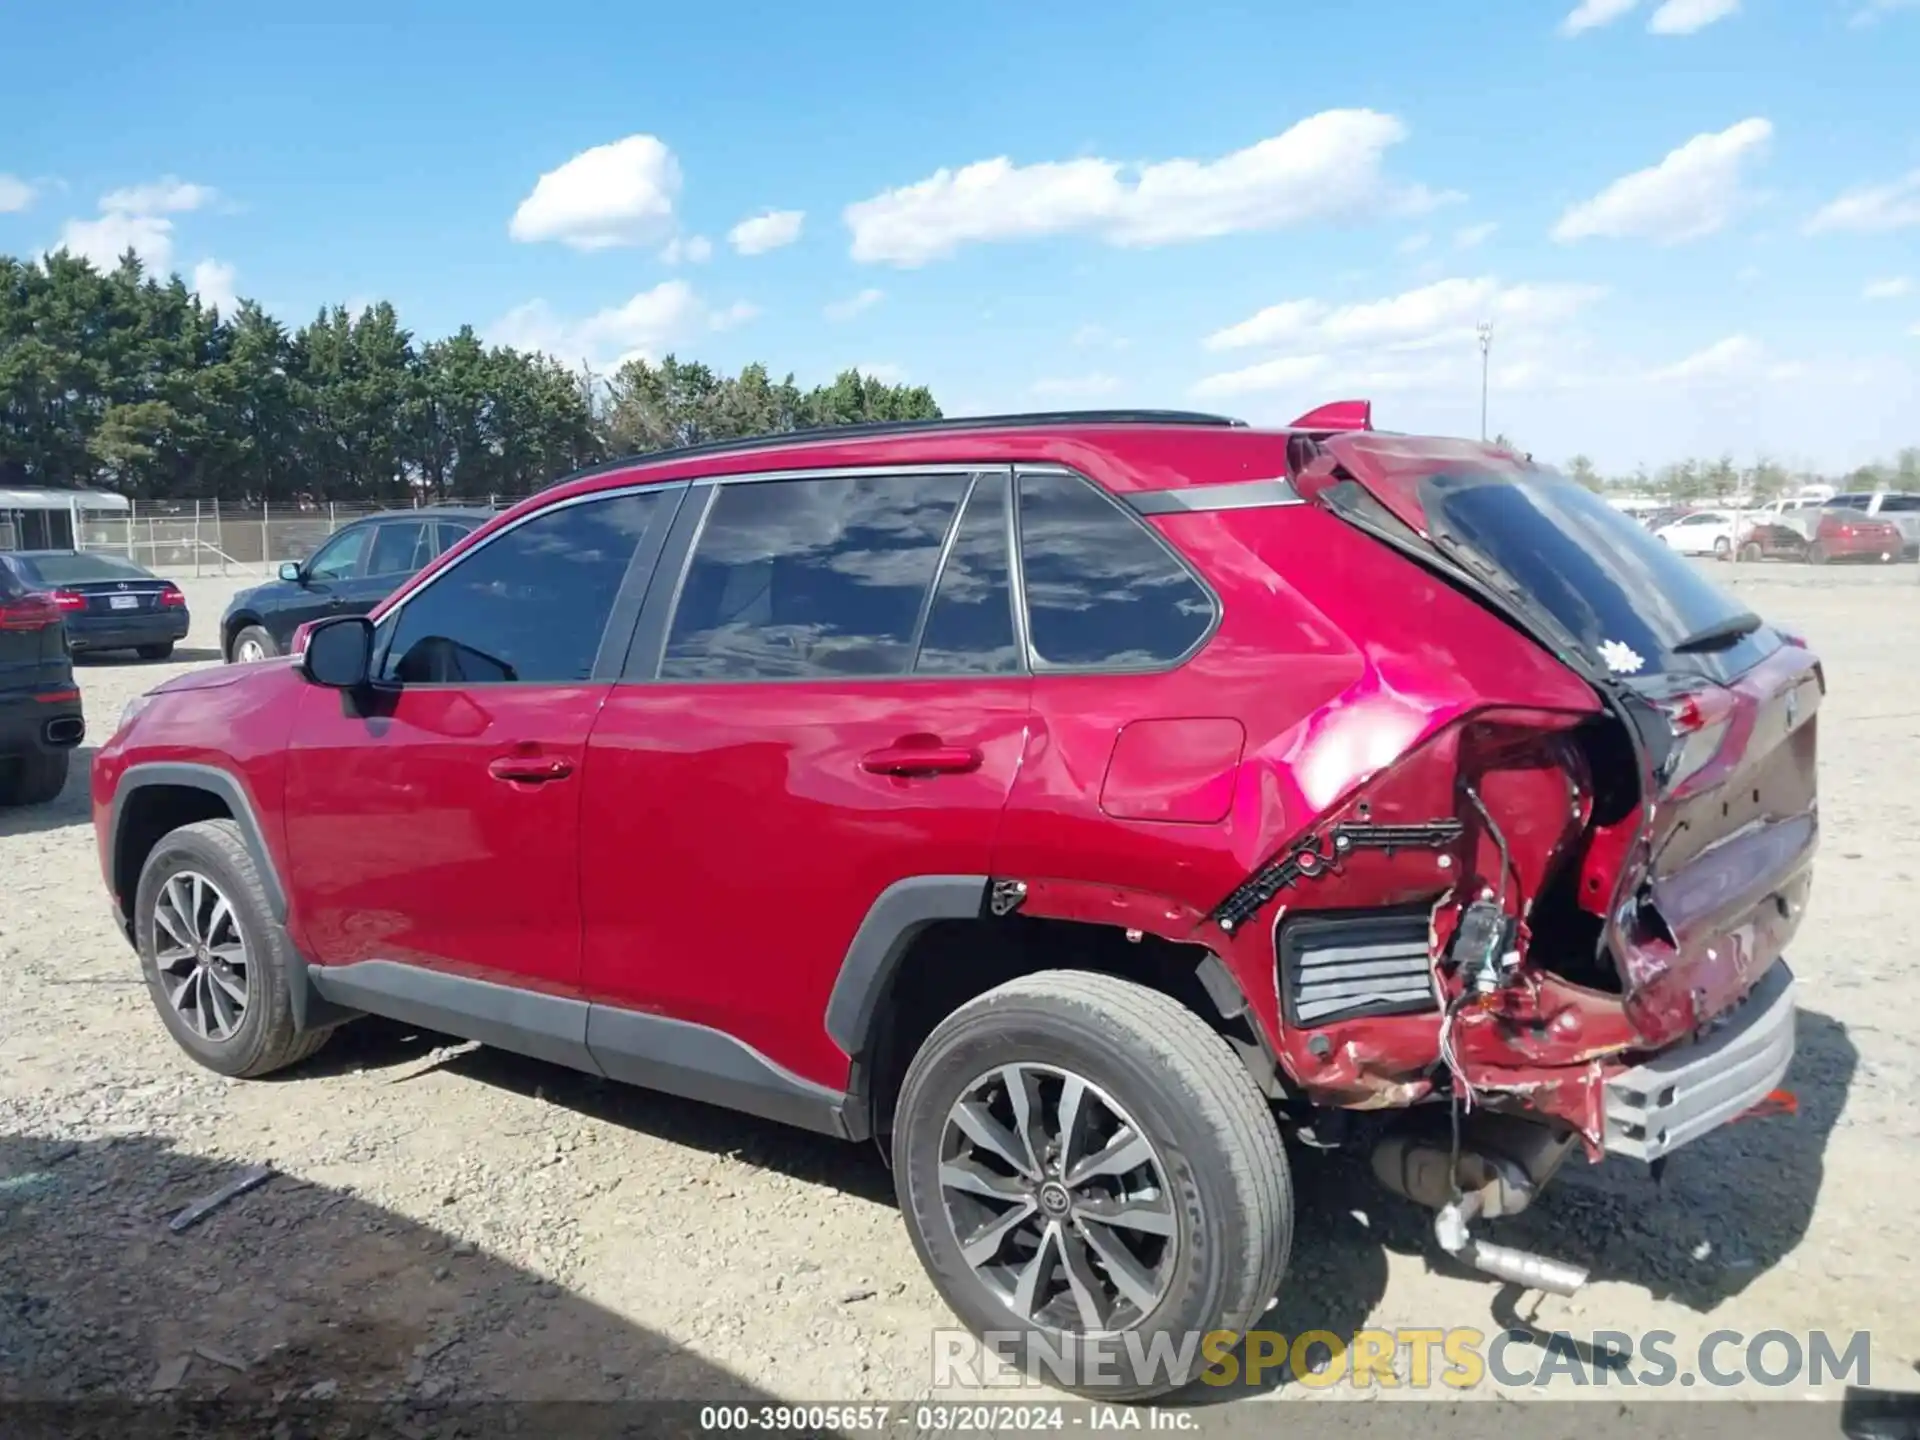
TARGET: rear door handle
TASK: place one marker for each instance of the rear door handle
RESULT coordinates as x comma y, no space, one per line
530,769
921,760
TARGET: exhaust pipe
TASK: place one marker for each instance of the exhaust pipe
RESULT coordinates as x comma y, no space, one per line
64,731
1517,1267
1502,1164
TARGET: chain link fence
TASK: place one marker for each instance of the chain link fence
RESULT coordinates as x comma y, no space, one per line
213,537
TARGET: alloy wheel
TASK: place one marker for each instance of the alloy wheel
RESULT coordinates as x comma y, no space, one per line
201,955
248,651
1058,1200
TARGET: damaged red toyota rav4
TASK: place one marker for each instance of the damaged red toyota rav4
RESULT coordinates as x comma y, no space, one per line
1078,805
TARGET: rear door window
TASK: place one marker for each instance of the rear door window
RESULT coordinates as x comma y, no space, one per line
970,627
399,548
1103,591
811,579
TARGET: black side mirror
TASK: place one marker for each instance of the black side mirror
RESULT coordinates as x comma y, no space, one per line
339,652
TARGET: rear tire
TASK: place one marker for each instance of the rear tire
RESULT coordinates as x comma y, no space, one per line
1751,552
35,778
1816,554
155,652
226,996
252,643
1208,1206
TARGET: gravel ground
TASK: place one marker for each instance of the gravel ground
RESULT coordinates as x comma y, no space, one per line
450,1223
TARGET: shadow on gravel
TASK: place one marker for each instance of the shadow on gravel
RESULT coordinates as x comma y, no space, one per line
73,806
290,1293
1730,1207
181,655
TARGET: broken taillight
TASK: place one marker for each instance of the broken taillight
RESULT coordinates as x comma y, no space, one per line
1699,724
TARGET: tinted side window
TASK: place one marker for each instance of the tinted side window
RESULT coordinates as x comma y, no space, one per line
804,579
449,533
969,628
1102,591
398,549
529,606
339,558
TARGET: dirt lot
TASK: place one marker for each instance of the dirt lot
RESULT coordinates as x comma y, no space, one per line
451,1222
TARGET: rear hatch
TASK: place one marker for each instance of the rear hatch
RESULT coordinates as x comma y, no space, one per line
1702,879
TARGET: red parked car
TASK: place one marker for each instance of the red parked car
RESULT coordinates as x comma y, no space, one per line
1846,534
1074,804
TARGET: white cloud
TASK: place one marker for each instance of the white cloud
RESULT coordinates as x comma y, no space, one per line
1875,11
645,327
854,304
1422,339
1326,167
767,232
1895,287
1735,359
1436,314
622,193
1414,244
1693,192
1685,17
160,197
1592,14
214,282
736,314
1472,237
1076,387
1872,209
15,194
694,249
106,239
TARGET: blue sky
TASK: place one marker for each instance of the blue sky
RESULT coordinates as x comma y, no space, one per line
1693,224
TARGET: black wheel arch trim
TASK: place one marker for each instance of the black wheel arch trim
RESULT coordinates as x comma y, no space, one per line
892,923
310,1009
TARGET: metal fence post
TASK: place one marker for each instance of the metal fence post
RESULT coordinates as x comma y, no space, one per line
266,533
133,518
196,539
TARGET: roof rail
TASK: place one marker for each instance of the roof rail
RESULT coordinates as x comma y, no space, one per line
904,427
1339,416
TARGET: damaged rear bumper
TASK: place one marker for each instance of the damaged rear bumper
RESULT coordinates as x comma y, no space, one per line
1682,1093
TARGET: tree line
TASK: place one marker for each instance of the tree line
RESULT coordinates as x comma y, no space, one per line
1688,480
130,382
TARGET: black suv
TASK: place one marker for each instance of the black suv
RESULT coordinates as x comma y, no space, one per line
40,719
350,574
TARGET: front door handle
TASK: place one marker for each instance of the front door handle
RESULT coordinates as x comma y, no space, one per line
530,769
921,760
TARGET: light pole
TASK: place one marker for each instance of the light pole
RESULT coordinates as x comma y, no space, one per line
1485,331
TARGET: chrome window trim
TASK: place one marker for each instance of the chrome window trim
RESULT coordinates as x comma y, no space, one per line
1232,495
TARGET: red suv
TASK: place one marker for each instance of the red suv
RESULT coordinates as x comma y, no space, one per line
1074,804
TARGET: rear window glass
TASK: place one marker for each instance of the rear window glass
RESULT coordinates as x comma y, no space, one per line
79,569
1617,590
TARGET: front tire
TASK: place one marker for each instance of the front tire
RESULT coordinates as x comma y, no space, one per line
1179,1223
1816,554
253,643
1723,549
35,778
1751,552
216,962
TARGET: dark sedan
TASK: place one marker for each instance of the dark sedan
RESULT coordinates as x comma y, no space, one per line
355,570
108,602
